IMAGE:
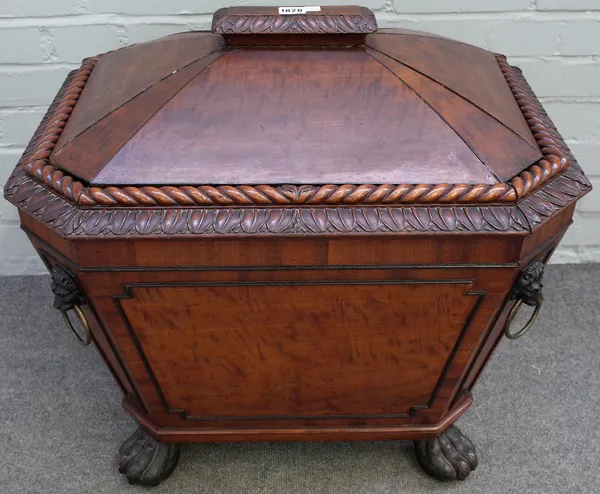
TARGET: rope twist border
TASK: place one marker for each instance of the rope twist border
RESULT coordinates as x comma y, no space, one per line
553,163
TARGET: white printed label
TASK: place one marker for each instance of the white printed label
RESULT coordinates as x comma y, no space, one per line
298,10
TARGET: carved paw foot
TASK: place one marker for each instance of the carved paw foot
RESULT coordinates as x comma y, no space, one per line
450,456
146,461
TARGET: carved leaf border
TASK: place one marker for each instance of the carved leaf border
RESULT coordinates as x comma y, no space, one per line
226,23
69,220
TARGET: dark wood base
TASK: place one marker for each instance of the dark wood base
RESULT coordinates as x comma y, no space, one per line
450,456
234,433
146,461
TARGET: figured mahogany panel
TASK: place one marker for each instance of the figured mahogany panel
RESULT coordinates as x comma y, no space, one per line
471,72
298,349
295,117
123,74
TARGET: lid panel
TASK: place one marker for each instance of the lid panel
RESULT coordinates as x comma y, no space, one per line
500,149
380,114
123,74
295,116
469,71
87,155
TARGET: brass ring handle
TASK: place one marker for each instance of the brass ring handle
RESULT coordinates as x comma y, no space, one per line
86,339
513,313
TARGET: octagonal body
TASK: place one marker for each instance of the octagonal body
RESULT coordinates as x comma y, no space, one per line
311,241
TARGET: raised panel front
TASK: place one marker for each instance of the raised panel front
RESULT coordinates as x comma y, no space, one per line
297,349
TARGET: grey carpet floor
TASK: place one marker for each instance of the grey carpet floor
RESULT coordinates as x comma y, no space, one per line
535,422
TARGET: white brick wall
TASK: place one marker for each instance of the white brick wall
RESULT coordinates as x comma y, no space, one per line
555,42
72,43
460,6
567,5
17,256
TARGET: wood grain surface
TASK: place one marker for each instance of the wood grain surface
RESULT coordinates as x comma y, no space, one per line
467,70
139,67
284,242
297,117
298,350
297,339
557,160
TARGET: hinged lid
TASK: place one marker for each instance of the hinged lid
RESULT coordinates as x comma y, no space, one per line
279,108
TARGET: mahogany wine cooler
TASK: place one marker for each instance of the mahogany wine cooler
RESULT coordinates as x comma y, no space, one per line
296,226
